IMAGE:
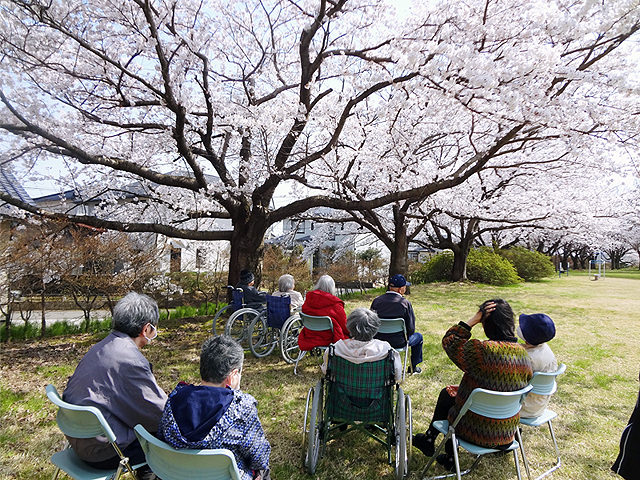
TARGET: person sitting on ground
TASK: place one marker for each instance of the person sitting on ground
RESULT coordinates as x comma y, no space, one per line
322,301
392,304
216,414
286,286
499,364
252,297
361,347
536,330
115,377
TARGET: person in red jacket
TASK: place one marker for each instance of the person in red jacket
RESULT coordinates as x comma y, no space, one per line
322,301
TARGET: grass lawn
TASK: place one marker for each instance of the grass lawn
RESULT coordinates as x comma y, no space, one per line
597,337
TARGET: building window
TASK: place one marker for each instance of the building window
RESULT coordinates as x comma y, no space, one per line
300,228
199,258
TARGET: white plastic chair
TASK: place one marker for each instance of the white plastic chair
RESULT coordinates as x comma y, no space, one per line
490,404
84,422
543,383
397,325
169,463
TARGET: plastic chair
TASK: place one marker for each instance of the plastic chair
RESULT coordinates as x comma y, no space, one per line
490,404
169,463
543,383
317,324
396,325
84,422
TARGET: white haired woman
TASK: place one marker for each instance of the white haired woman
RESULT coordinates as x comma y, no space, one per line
322,301
286,285
361,347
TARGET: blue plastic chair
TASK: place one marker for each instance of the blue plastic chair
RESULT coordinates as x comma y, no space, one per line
544,383
317,324
84,422
396,325
490,404
169,463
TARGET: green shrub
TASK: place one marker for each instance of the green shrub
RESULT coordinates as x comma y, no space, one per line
437,269
486,266
530,265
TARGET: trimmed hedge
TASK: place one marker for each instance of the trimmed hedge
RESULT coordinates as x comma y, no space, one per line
530,265
483,265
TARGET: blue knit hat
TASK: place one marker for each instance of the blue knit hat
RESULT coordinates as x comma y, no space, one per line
536,328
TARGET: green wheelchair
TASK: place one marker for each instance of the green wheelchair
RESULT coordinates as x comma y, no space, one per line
363,397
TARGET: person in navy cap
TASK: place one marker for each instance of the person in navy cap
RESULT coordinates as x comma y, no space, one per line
392,304
536,330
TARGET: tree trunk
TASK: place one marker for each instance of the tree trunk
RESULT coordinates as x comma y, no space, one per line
399,260
247,249
43,324
459,270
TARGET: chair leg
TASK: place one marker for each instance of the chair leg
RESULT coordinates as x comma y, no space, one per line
436,453
515,458
456,459
300,357
55,474
524,457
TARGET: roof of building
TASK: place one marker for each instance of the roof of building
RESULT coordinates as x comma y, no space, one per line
10,185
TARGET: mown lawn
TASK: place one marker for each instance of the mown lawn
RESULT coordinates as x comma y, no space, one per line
597,337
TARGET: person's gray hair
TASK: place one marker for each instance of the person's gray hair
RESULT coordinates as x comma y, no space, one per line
219,357
363,324
133,312
286,283
326,284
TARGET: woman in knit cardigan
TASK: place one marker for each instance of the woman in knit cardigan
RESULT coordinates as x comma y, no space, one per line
499,363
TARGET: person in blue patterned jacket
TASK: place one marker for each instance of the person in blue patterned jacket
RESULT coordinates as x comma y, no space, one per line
216,414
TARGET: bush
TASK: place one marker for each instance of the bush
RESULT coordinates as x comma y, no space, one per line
485,266
438,269
530,265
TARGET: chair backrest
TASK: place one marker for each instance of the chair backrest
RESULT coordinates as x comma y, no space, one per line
79,421
278,310
492,404
359,392
169,463
317,324
393,325
237,298
544,383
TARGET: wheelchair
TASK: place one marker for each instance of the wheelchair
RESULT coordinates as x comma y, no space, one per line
362,397
273,327
239,321
236,304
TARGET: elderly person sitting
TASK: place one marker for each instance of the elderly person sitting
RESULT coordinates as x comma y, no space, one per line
114,377
253,298
286,286
361,347
322,301
499,363
216,414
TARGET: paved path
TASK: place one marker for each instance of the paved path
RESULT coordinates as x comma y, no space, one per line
53,316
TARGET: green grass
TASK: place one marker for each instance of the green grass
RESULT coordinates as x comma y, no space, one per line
597,338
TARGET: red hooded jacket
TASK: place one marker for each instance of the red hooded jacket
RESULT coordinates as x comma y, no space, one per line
320,303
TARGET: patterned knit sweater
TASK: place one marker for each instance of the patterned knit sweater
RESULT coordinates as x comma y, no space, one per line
495,365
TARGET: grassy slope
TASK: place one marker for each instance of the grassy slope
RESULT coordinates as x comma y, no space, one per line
596,337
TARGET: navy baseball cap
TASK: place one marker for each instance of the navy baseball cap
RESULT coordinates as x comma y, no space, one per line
398,281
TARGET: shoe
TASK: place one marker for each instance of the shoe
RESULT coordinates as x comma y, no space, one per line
447,462
145,473
425,443
414,370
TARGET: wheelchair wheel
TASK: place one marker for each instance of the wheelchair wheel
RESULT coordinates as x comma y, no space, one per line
289,339
401,436
238,325
306,428
262,337
218,315
315,429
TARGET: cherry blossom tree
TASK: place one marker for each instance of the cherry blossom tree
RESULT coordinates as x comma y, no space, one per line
208,107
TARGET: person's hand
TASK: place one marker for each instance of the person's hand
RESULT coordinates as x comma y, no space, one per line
482,314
